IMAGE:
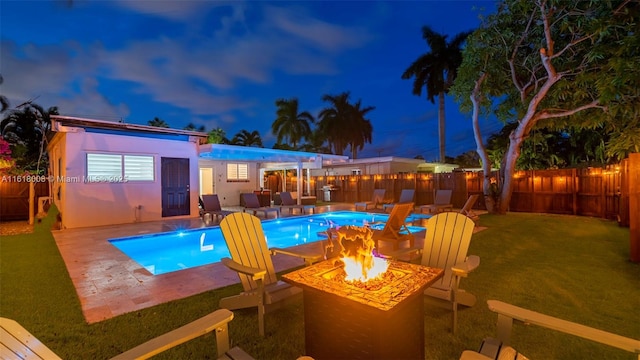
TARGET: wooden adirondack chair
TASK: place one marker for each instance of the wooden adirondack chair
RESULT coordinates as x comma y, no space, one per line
252,204
467,209
446,244
406,196
498,348
251,259
18,343
395,230
442,202
290,204
377,199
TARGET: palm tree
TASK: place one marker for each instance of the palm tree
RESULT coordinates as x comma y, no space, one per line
333,120
193,127
436,71
291,125
217,136
246,138
359,129
157,122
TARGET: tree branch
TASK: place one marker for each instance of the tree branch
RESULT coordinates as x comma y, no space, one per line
545,114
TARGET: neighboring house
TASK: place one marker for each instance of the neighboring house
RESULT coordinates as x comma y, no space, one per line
105,173
381,165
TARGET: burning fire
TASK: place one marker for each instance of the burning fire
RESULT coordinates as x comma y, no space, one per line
357,254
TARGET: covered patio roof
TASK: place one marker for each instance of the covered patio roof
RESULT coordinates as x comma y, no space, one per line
269,158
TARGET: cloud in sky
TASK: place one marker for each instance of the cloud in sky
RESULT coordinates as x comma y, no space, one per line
218,64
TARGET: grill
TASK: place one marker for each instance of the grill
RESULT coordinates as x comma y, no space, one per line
327,190
343,321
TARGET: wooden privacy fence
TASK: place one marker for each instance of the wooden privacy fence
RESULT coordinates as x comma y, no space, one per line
14,199
597,192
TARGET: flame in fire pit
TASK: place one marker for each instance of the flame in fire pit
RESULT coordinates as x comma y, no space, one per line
357,254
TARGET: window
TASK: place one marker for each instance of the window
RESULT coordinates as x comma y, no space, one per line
119,168
237,172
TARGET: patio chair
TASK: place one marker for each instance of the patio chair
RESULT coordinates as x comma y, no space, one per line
252,203
441,202
406,196
251,259
395,229
290,204
498,348
18,343
378,198
211,205
446,243
467,209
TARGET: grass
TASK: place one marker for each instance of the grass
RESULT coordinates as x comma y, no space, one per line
572,267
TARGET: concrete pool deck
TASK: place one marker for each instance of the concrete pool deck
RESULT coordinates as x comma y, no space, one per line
109,283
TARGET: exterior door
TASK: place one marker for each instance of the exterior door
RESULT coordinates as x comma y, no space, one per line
175,186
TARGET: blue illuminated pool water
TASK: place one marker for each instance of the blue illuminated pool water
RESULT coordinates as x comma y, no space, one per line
172,251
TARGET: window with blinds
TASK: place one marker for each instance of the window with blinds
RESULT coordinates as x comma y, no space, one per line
237,172
119,168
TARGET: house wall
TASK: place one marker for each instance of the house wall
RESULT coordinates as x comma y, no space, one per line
84,204
228,191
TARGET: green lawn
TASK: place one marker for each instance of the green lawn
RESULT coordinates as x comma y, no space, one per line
576,268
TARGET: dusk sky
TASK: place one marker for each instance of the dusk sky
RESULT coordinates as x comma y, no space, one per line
223,64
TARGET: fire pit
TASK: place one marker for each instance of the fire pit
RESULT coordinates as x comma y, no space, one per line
378,319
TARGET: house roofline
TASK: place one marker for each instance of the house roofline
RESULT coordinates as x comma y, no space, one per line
104,124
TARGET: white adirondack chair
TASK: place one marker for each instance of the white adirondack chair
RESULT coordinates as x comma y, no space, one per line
498,348
16,342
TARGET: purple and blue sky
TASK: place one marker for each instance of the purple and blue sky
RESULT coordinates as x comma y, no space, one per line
223,64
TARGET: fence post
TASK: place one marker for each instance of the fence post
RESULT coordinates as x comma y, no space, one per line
634,206
32,200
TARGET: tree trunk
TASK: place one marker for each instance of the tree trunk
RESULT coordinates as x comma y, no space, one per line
441,132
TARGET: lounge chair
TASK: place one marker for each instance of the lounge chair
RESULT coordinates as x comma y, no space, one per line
252,203
290,204
18,343
211,205
498,348
406,196
441,202
467,209
377,199
395,230
251,259
446,244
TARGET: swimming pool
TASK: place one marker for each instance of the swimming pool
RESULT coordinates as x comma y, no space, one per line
172,251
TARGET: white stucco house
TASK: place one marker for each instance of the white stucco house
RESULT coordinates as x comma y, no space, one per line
104,172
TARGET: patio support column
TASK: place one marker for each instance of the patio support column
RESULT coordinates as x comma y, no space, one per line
299,182
309,182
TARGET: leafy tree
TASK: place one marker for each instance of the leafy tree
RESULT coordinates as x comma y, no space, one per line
552,64
26,129
469,159
217,136
157,122
246,138
343,124
436,71
193,127
291,125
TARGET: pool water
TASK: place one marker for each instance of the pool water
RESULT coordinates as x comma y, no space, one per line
172,251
